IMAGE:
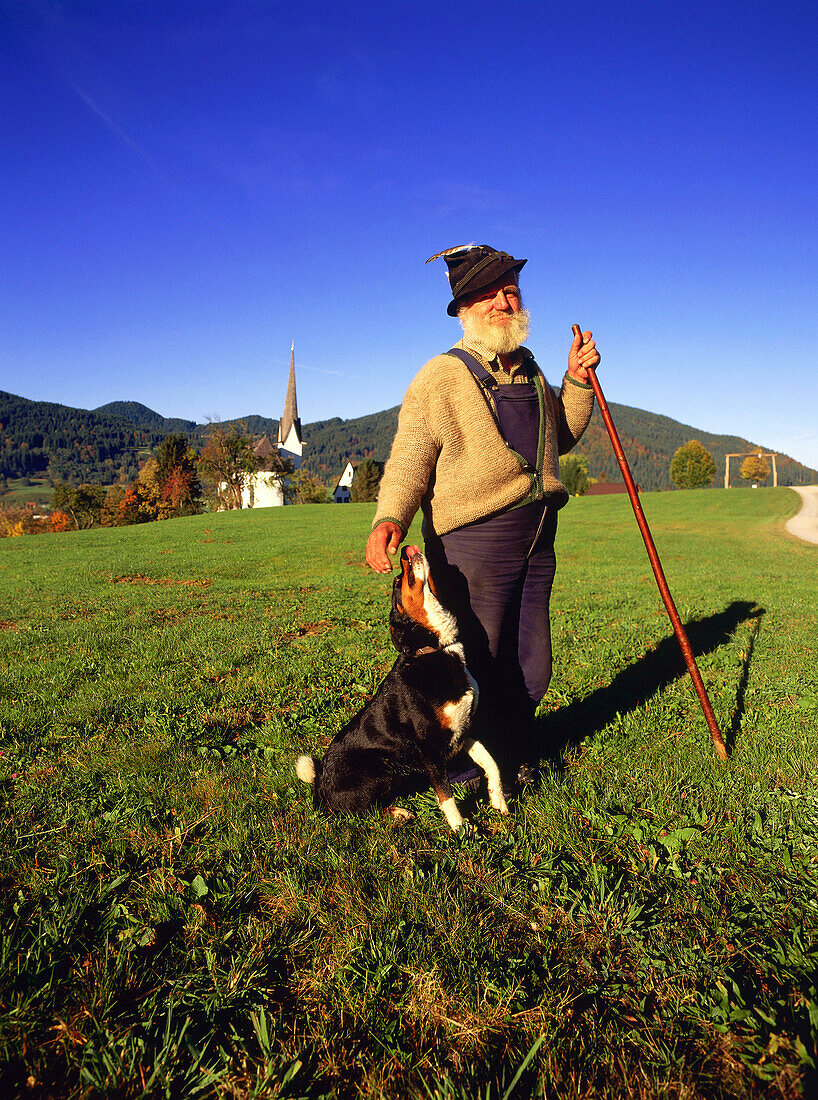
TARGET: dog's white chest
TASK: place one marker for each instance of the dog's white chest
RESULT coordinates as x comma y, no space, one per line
457,715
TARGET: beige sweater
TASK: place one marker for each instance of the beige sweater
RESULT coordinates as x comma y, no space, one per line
449,458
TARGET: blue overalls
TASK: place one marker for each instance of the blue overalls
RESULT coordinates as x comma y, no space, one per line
496,575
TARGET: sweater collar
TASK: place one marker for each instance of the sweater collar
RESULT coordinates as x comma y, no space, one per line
491,361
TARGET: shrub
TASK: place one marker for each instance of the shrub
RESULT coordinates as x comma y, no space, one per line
574,474
61,521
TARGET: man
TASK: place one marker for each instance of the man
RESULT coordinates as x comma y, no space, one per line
477,448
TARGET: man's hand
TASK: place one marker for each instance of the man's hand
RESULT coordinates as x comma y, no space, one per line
385,538
583,354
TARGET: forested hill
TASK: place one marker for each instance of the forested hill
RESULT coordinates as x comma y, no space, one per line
649,441
40,439
144,417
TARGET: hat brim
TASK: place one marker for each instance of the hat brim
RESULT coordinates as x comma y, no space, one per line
484,279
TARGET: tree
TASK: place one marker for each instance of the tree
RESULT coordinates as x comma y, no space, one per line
366,481
173,451
60,521
140,504
110,515
175,475
574,474
83,504
303,488
227,460
755,468
692,467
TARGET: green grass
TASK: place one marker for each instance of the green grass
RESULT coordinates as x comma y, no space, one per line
178,922
18,493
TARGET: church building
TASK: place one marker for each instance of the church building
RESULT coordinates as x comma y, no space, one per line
264,489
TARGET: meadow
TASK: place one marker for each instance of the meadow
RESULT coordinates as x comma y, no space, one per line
178,922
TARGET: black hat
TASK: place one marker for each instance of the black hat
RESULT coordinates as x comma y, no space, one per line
472,267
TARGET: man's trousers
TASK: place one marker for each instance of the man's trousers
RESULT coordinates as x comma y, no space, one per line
496,576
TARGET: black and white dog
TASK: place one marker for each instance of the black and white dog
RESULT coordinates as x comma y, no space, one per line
417,720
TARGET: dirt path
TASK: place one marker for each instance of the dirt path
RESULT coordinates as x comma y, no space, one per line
805,524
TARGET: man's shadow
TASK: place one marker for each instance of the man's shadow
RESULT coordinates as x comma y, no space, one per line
639,682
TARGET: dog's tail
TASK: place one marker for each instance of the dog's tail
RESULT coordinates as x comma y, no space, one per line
308,769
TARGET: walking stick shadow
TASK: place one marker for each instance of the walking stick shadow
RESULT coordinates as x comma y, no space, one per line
638,683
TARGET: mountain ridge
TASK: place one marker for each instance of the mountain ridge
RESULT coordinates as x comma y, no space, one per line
108,443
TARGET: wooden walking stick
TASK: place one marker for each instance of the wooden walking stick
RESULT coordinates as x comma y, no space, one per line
679,630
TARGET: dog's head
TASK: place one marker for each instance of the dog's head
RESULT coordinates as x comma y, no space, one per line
418,619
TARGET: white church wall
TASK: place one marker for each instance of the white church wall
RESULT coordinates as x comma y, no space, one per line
263,491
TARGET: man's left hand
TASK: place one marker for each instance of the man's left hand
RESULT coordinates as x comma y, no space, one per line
583,354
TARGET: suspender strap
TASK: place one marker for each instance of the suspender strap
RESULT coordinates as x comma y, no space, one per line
475,366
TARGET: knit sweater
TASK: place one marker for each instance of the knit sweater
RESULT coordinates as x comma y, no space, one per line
449,458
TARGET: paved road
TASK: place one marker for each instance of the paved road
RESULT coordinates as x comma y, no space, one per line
805,524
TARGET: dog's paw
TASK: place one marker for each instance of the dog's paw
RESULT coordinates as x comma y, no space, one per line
305,769
399,815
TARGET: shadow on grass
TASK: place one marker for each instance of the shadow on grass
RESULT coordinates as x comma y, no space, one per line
638,683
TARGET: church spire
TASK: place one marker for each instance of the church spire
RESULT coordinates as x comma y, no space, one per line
289,427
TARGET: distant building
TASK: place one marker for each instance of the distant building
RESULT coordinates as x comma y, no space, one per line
342,493
265,489
289,427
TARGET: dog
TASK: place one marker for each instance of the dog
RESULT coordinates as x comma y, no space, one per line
417,720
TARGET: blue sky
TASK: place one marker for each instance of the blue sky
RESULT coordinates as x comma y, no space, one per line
188,187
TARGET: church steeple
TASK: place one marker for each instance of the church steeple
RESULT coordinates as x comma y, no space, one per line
289,427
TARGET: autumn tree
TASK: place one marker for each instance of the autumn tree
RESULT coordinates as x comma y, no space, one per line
173,472
176,477
109,515
228,462
140,504
574,474
755,468
366,481
16,521
692,466
61,521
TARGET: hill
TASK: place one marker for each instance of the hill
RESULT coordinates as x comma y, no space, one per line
40,439
43,440
144,417
650,441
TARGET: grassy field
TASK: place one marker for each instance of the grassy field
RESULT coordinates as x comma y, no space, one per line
19,494
178,922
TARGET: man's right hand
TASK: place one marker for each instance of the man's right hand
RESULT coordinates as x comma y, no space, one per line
384,539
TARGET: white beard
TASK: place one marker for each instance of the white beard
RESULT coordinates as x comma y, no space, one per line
502,336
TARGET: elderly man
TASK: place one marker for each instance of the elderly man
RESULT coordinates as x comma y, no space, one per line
477,448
